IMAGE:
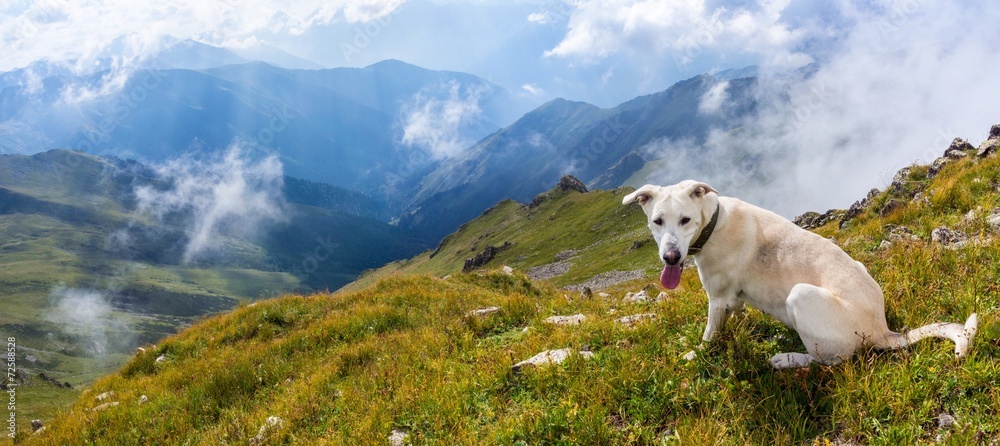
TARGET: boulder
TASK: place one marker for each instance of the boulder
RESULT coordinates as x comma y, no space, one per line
587,293
890,207
639,297
949,237
988,147
484,257
549,357
958,149
575,319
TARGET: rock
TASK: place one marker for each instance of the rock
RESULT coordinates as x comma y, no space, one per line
639,297
161,358
994,219
483,312
958,149
635,319
140,350
890,207
885,244
569,182
507,270
105,395
575,319
587,293
271,425
662,296
806,220
398,437
897,233
104,406
988,147
638,244
945,421
481,259
36,425
39,431
604,295
143,400
857,208
949,237
549,357
898,184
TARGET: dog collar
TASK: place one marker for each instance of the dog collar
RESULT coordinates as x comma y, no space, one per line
705,233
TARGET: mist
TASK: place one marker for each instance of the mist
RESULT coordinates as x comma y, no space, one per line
87,315
892,92
223,194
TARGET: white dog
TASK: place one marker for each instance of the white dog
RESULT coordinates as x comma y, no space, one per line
746,254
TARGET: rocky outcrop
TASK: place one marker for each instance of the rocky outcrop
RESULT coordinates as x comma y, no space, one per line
566,183
484,257
958,149
813,220
992,143
949,237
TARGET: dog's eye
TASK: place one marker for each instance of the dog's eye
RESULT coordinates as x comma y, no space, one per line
658,221
685,220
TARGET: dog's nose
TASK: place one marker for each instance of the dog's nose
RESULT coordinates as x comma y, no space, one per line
672,257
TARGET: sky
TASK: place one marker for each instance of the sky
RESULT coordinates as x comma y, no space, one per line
895,80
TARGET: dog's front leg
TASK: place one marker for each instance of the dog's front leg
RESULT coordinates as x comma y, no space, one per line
719,311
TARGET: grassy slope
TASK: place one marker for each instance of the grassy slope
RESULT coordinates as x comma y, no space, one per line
348,368
594,223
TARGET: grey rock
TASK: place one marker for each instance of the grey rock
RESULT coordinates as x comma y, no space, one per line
399,437
638,297
949,237
105,395
988,147
635,319
890,207
271,425
994,219
958,149
945,420
483,312
549,357
575,319
104,406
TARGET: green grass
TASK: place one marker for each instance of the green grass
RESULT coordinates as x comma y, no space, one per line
399,351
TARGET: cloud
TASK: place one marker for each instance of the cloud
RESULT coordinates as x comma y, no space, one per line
438,119
87,314
882,98
219,196
682,30
533,89
61,30
712,100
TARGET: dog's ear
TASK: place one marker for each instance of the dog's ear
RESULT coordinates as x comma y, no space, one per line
698,190
642,195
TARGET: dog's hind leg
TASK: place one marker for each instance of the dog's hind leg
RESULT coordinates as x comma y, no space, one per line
824,325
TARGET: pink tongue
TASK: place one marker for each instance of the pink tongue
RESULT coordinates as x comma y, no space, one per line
670,277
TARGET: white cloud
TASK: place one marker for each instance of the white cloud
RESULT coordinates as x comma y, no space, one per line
533,89
226,193
682,29
884,97
711,102
80,30
437,120
86,313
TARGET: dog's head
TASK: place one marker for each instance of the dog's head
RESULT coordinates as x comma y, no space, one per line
676,216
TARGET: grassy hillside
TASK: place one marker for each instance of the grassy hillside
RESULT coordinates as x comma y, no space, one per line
79,300
401,353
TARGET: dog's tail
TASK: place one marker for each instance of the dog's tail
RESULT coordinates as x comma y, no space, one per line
959,334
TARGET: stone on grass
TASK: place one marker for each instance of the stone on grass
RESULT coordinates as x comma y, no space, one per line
549,357
105,395
507,270
949,237
945,420
398,437
641,296
575,319
104,406
635,319
143,400
271,425
483,312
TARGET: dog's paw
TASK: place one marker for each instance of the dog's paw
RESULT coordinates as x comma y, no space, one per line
790,360
689,356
